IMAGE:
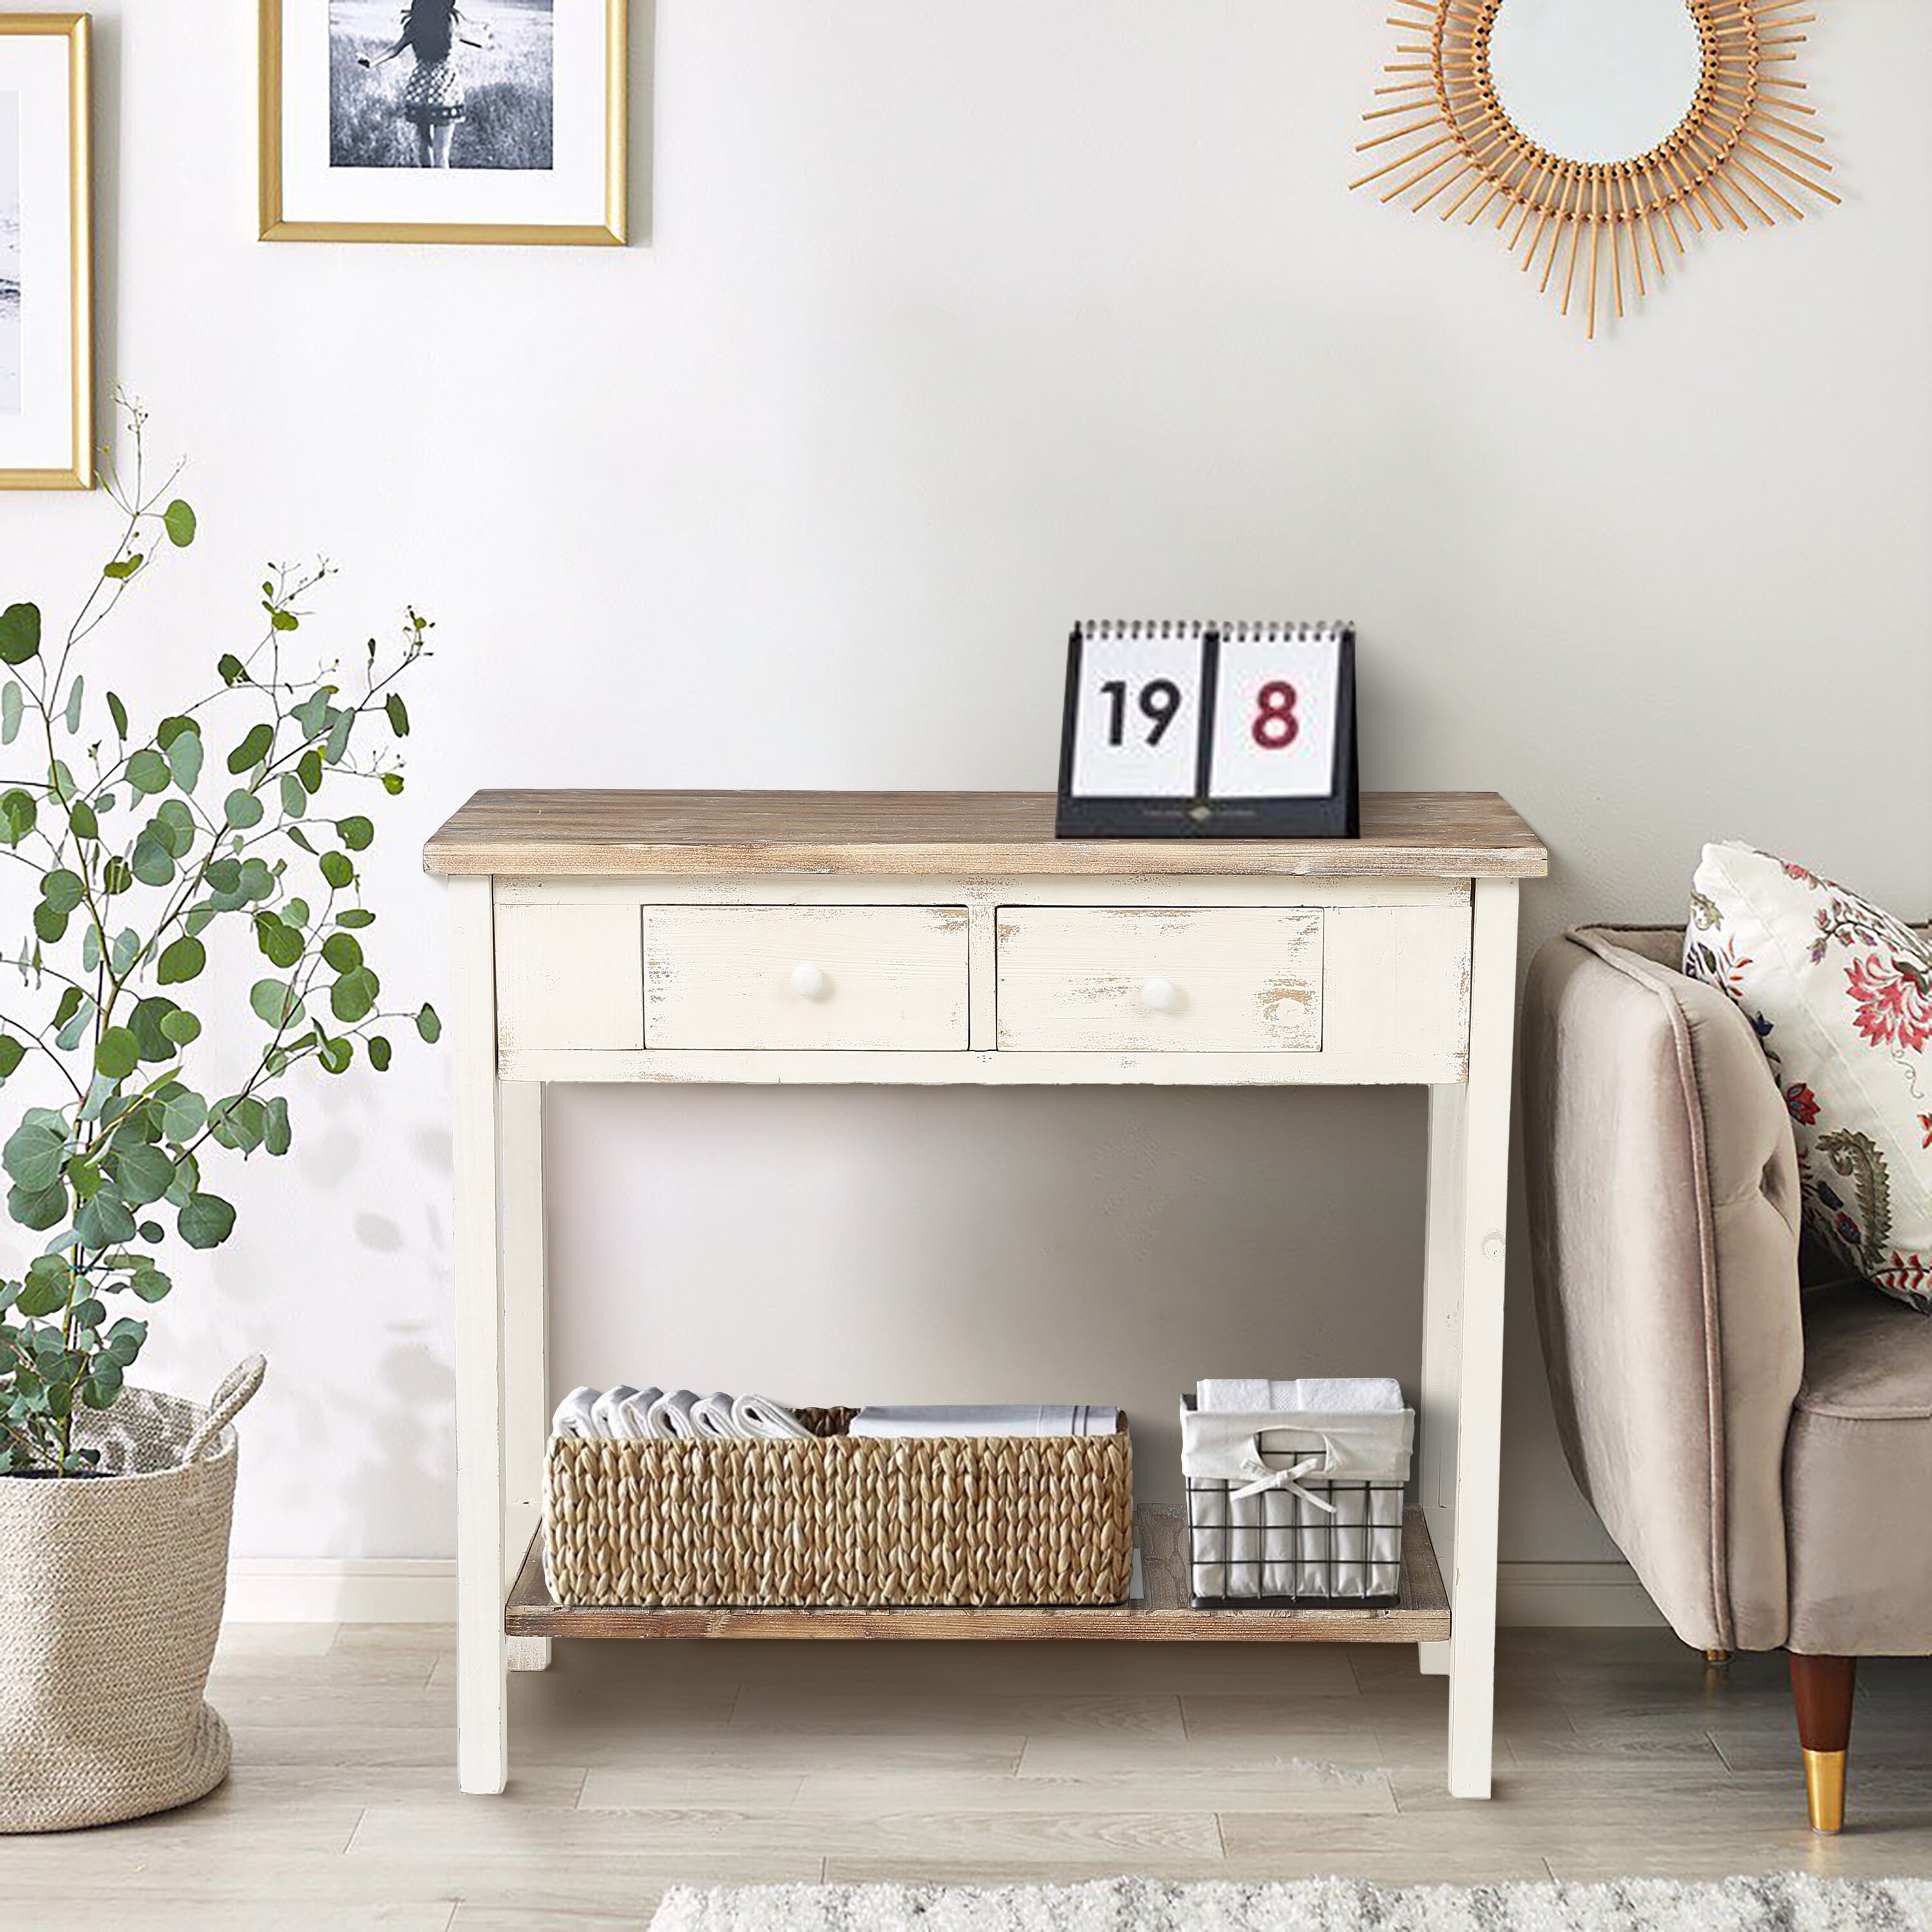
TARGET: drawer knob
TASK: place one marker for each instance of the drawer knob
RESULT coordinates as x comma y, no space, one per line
808,981
1160,996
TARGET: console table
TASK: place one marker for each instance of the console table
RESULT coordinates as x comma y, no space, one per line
948,938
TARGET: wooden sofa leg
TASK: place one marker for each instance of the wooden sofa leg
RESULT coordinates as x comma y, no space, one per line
1821,1688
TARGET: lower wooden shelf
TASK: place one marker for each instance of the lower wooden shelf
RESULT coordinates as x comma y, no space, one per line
1163,1615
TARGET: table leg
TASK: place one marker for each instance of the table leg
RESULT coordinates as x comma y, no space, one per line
482,1739
1441,1336
1484,1209
527,1403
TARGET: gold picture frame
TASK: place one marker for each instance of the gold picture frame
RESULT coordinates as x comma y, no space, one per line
1743,154
77,473
611,232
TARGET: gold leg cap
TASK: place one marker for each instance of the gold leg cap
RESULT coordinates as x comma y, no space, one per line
1825,1789
1717,1656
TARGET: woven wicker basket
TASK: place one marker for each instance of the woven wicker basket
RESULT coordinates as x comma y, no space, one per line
110,1602
841,1520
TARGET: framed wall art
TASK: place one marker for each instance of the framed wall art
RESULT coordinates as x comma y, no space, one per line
47,357
443,121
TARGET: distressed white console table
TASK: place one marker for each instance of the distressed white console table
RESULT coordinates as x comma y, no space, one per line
948,938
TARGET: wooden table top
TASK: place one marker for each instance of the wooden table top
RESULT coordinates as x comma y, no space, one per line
554,834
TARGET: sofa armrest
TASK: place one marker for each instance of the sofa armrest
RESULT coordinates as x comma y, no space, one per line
1664,1210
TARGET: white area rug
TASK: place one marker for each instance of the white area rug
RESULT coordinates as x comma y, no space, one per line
1786,1903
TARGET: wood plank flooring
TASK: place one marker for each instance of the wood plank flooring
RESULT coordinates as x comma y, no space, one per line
634,1766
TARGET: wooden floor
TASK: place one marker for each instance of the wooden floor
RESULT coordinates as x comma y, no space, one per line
637,1766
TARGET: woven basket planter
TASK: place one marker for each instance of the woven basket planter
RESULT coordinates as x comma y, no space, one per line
840,1520
111,1590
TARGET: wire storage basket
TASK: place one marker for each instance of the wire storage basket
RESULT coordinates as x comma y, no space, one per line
840,1520
1288,1509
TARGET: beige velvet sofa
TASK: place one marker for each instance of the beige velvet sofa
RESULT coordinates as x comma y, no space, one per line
1759,1448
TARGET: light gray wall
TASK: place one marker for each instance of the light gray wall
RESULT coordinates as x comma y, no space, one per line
950,324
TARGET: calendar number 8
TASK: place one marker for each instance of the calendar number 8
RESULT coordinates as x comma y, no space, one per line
1276,726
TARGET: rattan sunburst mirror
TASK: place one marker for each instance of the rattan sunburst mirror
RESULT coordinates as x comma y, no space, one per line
1593,157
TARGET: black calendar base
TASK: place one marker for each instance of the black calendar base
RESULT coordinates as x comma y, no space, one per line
1337,818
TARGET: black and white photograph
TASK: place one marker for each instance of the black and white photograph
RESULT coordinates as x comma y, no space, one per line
434,85
10,254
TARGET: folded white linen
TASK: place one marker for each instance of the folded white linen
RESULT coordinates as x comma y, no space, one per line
607,1413
711,1419
575,1417
763,1420
634,1415
1332,1395
988,1419
1368,1446
669,1417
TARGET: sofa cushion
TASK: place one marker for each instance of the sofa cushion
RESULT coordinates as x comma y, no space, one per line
1858,1479
1839,994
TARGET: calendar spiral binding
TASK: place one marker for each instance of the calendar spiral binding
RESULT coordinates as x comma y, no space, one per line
1231,630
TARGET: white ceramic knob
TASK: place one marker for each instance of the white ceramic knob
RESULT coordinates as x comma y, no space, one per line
1492,1248
1159,995
808,981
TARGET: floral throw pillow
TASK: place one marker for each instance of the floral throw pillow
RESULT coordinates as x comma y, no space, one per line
1840,995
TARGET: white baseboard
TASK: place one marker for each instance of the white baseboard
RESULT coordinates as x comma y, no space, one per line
281,1590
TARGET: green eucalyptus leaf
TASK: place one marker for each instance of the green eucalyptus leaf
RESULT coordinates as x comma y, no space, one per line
276,1136
399,714
181,962
342,952
181,1028
294,800
356,832
428,1024
38,1208
151,1285
184,1114
275,1004
355,915
63,890
380,1052
80,815
49,924
13,708
104,1221
117,875
178,520
19,633
280,943
184,753
39,1298
242,809
12,1052
308,769
337,870
255,745
337,746
118,712
232,670
123,567
392,783
353,997
154,863
149,1022
143,1173
34,1152
205,1221
19,814
103,1387
118,1053
284,620
71,717
149,771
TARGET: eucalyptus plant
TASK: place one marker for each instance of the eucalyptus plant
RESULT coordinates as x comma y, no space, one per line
230,817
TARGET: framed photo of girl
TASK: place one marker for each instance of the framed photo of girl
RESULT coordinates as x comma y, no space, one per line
443,121
46,248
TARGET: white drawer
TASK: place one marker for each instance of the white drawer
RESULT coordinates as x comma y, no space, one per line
1153,980
859,978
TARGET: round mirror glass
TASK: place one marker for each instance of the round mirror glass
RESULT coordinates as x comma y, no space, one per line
1595,80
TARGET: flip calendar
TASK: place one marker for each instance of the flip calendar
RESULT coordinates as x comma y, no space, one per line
1204,730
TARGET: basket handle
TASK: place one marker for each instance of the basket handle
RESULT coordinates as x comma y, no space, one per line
233,1395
